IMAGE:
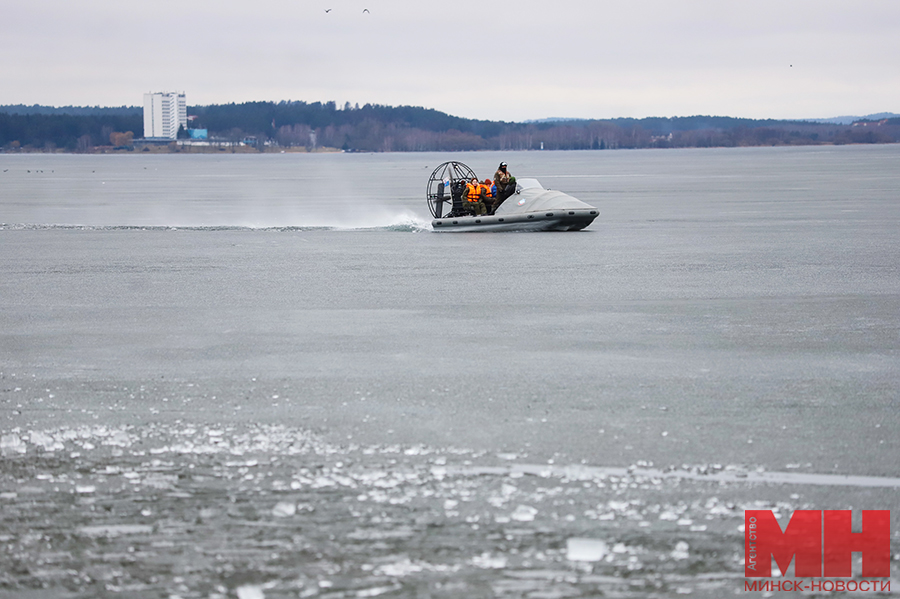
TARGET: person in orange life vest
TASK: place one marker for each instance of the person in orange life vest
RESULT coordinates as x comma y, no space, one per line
490,195
474,196
486,186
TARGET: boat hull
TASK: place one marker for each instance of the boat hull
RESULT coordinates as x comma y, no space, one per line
550,220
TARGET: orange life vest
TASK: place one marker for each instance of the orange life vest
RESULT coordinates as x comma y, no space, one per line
487,190
473,192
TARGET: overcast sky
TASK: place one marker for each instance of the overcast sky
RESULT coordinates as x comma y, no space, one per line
486,59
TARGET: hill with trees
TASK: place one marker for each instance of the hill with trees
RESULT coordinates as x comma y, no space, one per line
378,128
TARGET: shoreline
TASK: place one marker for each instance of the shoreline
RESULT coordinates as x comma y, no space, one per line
187,149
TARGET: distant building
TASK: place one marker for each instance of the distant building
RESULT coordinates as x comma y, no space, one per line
163,114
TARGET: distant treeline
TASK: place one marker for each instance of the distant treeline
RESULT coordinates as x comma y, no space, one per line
377,128
69,132
73,110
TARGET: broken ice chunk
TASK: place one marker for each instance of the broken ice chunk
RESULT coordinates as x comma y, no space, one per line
250,591
11,443
284,509
680,551
524,513
46,441
489,562
115,530
586,550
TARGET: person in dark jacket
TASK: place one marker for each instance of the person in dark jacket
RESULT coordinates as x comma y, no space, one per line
506,184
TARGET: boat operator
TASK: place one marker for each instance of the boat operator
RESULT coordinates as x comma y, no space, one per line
506,184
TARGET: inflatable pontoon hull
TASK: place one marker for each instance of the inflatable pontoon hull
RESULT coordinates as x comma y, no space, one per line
554,220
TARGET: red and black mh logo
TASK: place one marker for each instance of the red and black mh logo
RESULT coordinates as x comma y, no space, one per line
821,543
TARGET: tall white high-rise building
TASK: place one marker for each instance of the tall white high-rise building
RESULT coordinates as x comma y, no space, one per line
163,113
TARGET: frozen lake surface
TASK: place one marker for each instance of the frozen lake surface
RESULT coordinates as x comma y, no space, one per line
264,376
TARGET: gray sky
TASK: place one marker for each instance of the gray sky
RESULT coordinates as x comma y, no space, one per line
489,59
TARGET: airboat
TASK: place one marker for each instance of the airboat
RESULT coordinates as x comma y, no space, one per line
530,208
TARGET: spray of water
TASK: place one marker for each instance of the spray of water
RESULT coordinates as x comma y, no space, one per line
331,192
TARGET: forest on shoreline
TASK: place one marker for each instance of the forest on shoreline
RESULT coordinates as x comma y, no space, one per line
272,126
